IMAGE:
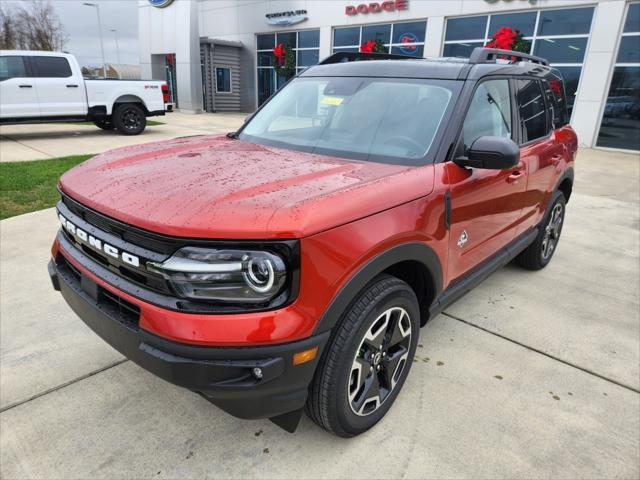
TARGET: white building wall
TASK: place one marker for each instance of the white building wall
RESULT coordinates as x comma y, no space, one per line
165,30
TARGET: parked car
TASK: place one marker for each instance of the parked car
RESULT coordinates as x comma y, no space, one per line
291,264
40,87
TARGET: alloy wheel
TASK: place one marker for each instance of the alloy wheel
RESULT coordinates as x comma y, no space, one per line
131,120
379,361
552,231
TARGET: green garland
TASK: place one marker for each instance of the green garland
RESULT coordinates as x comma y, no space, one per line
289,68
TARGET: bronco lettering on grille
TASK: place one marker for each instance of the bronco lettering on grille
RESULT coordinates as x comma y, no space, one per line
98,244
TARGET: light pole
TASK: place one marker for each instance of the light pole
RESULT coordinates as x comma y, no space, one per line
117,47
104,64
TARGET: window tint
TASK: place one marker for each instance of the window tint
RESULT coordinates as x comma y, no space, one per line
621,120
346,36
561,50
12,67
51,67
409,32
377,32
565,22
533,118
554,90
489,113
288,38
468,28
415,50
524,22
307,58
266,42
462,50
632,23
309,39
629,51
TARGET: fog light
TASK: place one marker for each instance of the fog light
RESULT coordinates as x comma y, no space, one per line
305,356
257,373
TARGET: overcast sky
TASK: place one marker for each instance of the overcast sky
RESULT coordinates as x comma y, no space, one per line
81,24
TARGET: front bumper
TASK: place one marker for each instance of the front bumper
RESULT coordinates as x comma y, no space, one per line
223,375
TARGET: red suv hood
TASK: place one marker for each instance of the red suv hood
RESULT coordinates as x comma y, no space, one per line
215,187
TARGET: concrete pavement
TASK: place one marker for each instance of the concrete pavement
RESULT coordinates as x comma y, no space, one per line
40,141
530,375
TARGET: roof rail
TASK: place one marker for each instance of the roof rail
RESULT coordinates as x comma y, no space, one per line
340,57
486,55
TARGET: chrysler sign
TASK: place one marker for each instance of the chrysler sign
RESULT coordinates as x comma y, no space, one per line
286,18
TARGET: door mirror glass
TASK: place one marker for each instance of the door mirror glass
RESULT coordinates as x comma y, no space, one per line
496,153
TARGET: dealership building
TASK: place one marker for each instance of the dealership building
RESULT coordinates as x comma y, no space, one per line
218,55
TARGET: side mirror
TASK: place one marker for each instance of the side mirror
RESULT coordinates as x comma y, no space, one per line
496,153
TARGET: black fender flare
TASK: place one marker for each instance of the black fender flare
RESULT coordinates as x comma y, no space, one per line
567,174
413,251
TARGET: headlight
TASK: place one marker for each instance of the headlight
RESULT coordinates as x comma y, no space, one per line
237,276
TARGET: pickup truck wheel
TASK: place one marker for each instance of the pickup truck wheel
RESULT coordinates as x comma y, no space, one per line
367,360
130,119
538,255
105,124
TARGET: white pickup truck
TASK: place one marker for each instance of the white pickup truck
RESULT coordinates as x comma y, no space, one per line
40,87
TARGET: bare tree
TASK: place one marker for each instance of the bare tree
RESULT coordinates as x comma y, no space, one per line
8,31
32,25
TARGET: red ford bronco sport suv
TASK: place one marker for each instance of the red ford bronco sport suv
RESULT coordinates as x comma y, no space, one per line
289,266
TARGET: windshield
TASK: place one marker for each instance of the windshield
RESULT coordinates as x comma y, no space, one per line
379,119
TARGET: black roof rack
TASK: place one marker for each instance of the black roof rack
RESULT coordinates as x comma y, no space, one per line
340,57
486,55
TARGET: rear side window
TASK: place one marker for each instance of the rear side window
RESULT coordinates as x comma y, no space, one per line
533,116
12,67
557,100
489,113
51,67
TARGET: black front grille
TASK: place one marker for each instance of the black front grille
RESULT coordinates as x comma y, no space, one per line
115,306
127,312
127,233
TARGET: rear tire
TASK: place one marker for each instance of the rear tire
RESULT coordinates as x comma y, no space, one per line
538,255
105,124
367,359
130,119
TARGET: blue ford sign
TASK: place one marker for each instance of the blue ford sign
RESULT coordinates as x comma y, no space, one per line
160,3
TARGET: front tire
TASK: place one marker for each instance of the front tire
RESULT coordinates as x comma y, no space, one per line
367,360
538,255
130,119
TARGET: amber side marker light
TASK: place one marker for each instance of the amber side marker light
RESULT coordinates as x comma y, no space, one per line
305,356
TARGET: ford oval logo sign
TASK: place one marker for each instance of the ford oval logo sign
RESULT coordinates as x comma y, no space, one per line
160,3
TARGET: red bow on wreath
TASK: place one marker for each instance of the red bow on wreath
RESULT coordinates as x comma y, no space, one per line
368,47
280,53
503,39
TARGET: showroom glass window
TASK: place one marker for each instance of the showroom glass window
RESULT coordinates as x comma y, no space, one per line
405,38
306,46
559,35
620,127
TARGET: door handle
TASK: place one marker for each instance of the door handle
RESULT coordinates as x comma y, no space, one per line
26,86
515,176
555,159
72,86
